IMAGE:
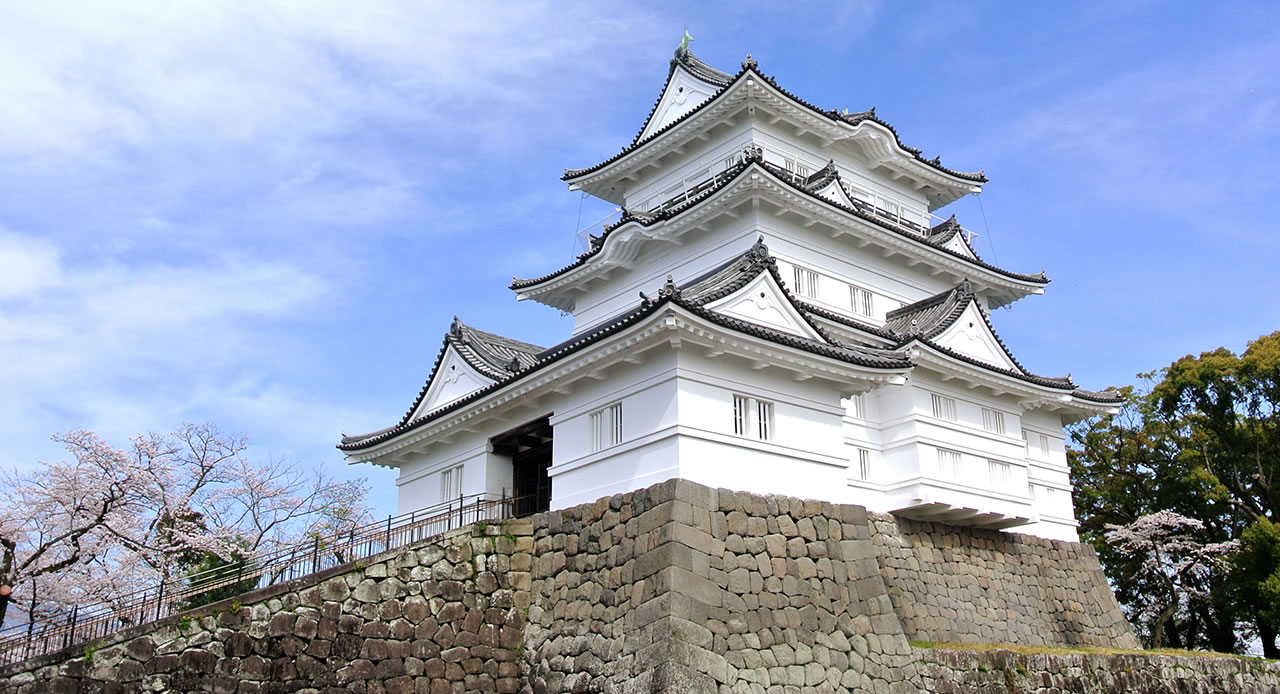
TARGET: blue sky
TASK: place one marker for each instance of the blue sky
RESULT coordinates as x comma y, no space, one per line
264,215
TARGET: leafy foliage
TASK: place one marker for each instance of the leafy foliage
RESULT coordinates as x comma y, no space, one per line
1201,441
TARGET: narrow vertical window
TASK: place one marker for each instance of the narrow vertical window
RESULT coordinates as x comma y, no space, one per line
993,420
806,282
451,483
858,406
606,427
949,464
1044,447
862,464
944,407
1000,474
752,418
862,301
764,420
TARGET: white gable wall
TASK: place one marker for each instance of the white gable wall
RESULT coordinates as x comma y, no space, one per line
454,378
762,302
970,336
684,92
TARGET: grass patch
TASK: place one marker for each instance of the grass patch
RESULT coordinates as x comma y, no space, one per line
1072,650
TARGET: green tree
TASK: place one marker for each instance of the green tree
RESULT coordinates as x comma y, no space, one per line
1203,440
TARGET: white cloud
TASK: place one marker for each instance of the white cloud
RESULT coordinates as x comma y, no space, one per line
117,345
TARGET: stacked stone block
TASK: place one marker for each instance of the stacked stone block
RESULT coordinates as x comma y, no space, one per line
673,588
443,617
972,585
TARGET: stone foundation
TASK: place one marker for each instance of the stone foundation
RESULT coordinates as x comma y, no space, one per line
674,588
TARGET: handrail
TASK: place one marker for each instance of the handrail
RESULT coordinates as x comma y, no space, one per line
88,622
890,210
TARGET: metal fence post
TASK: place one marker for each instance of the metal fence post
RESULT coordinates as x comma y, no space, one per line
315,556
388,532
71,634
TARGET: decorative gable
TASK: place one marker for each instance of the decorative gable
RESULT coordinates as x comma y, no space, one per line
971,335
453,379
836,193
763,302
957,244
683,93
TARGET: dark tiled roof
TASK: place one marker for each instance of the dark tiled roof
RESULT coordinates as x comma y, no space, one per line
834,317
731,174
702,291
943,232
928,318
1108,396
749,66
491,354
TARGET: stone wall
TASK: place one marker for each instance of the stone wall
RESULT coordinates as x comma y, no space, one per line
972,585
674,588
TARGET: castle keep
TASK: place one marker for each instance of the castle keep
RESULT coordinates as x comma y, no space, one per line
780,309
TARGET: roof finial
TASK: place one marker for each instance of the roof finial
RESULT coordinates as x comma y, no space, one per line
759,250
669,289
455,328
513,365
750,63
684,42
964,287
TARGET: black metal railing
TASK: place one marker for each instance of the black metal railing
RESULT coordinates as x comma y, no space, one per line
94,621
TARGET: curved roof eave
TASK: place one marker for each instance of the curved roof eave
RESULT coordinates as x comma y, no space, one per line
832,116
354,444
649,220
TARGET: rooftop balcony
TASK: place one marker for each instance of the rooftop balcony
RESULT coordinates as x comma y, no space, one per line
895,212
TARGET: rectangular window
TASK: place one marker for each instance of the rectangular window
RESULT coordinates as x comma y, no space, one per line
993,420
1044,447
944,407
796,167
862,465
451,483
1001,475
606,427
806,282
752,418
949,464
862,301
858,406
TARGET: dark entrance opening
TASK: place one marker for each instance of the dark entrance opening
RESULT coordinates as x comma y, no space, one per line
529,447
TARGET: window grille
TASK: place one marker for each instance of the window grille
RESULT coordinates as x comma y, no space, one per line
944,407
993,420
862,301
862,465
1044,447
606,427
451,483
806,282
858,406
752,418
949,464
1001,475
796,167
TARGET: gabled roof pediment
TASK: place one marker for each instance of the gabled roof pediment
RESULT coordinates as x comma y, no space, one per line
453,378
690,82
469,360
971,335
764,302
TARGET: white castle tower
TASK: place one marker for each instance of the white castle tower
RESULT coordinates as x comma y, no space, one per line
779,309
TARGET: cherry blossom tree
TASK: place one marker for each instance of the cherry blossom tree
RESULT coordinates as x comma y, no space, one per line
1174,565
111,521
